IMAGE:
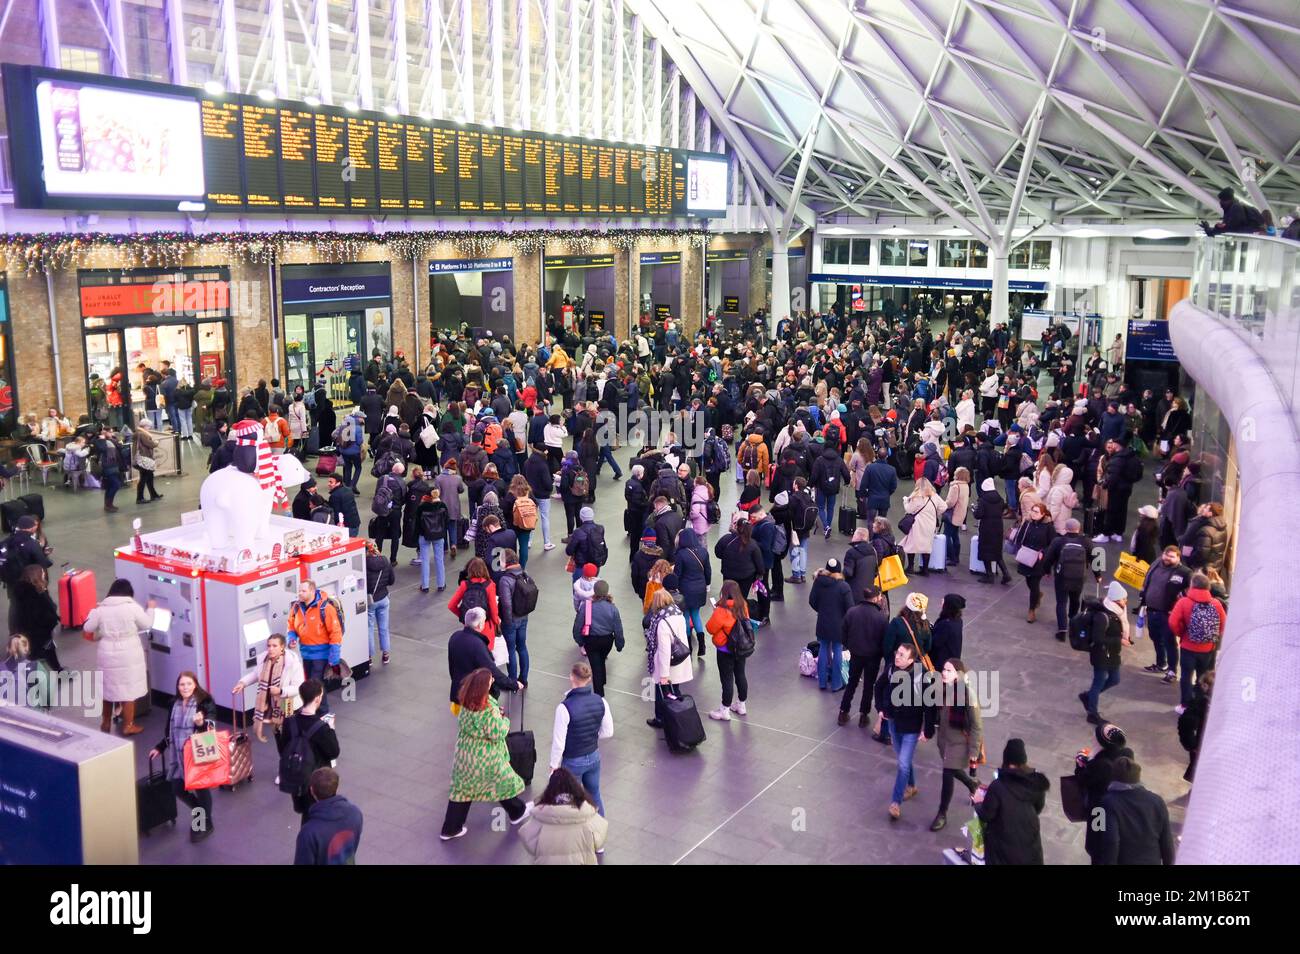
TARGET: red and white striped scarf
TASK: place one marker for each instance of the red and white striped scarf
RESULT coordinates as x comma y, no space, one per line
268,475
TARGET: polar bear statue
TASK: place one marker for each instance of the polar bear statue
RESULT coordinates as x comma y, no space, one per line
236,508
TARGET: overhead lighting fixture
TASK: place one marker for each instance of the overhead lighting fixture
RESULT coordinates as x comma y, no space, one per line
335,28
1157,234
390,110
312,101
213,88
837,230
427,117
351,107
1084,233
266,95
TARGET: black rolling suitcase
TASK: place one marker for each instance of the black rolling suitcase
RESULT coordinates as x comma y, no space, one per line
522,747
35,505
683,729
848,520
154,801
10,511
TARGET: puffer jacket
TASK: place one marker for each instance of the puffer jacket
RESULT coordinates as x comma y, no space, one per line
564,835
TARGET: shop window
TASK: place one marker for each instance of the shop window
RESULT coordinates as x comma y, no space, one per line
1019,257
954,253
861,252
893,252
918,253
979,255
1040,255
835,251
80,58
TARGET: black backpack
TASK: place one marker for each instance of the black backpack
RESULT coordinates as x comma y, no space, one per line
298,760
1072,564
740,641
475,596
11,566
384,465
382,504
1083,626
599,551
523,599
1133,469
322,515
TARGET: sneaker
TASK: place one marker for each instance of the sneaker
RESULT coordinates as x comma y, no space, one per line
528,810
721,714
1180,709
1153,669
463,831
549,546
1116,538
1170,676
424,589
828,533
387,657
1101,538
441,588
416,561
863,720
739,708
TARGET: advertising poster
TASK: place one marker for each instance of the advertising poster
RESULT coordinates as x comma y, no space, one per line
379,332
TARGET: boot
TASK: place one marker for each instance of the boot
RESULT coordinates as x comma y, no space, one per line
106,719
128,720
862,720
1032,617
939,823
843,718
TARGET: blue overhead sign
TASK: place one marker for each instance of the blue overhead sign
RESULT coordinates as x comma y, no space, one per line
297,291
1148,340
661,258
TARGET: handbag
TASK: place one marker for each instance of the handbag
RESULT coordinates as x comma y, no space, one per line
1074,798
213,747
145,462
890,575
1132,571
500,654
907,521
924,657
1028,557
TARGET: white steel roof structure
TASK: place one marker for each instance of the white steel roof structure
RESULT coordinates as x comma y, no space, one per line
1127,109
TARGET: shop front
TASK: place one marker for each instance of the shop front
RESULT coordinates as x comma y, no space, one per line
476,293
661,286
578,293
726,277
138,319
335,318
904,294
8,387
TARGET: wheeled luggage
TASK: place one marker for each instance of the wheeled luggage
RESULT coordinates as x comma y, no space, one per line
522,747
154,801
682,726
241,743
76,597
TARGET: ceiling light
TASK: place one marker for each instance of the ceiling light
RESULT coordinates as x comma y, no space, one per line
390,110
1084,233
212,87
266,95
837,230
1157,234
350,107
312,101
427,117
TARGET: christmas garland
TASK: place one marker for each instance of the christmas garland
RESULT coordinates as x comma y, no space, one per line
38,252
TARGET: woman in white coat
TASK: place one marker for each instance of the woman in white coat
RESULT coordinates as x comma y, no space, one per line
965,411
664,622
116,625
927,507
1061,498
277,676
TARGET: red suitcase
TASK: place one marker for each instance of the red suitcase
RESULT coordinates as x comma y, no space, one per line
76,597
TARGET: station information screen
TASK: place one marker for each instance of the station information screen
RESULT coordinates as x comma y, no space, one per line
109,143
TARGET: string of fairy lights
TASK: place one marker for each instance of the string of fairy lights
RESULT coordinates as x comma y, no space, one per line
35,253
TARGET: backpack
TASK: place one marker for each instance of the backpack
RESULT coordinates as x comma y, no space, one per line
581,485
941,478
740,641
11,568
808,519
384,465
469,467
1083,626
1203,624
780,542
726,432
1072,564
1133,469
298,760
830,483
382,505
712,512
596,539
322,515
1009,466
433,523
525,513
748,456
475,596
523,599
345,435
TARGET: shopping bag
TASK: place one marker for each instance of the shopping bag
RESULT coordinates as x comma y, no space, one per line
1074,798
890,576
1132,571
210,774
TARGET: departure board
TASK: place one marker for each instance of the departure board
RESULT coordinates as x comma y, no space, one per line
298,158
360,174
243,153
571,178
261,156
444,170
331,150
419,168
468,165
491,145
390,149
222,152
553,177
512,172
590,180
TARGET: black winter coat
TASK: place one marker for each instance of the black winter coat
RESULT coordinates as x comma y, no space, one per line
1010,813
694,572
864,631
988,511
467,651
1137,828
739,563
860,566
831,599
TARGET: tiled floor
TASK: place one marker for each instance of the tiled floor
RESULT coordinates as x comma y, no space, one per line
784,785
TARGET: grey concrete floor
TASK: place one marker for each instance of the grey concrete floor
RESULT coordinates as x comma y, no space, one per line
783,785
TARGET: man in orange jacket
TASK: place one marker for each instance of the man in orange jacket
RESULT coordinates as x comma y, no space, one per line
315,625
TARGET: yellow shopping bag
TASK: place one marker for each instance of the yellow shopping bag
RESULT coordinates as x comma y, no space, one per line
1132,571
891,575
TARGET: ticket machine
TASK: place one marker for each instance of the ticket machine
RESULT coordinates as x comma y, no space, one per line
242,611
340,571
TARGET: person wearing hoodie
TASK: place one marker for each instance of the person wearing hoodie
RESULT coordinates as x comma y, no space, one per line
904,696
989,510
1165,582
829,473
860,564
742,559
1009,810
729,619
694,575
1137,830
598,630
864,638
1061,498
959,733
1205,541
946,634
565,827
831,599
701,494
1109,627
331,829
1197,622
879,482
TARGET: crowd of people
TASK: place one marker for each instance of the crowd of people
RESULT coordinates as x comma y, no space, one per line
896,435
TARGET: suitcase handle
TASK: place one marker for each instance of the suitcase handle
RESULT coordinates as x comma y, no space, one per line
149,760
521,707
238,716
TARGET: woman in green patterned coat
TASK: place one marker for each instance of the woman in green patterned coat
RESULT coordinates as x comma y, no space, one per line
481,771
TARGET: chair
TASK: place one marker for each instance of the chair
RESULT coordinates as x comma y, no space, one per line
40,458
20,476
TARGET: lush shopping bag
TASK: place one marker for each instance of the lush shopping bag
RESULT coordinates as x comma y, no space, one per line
1132,571
206,759
890,576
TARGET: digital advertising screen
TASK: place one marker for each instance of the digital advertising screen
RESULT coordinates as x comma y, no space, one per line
706,185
